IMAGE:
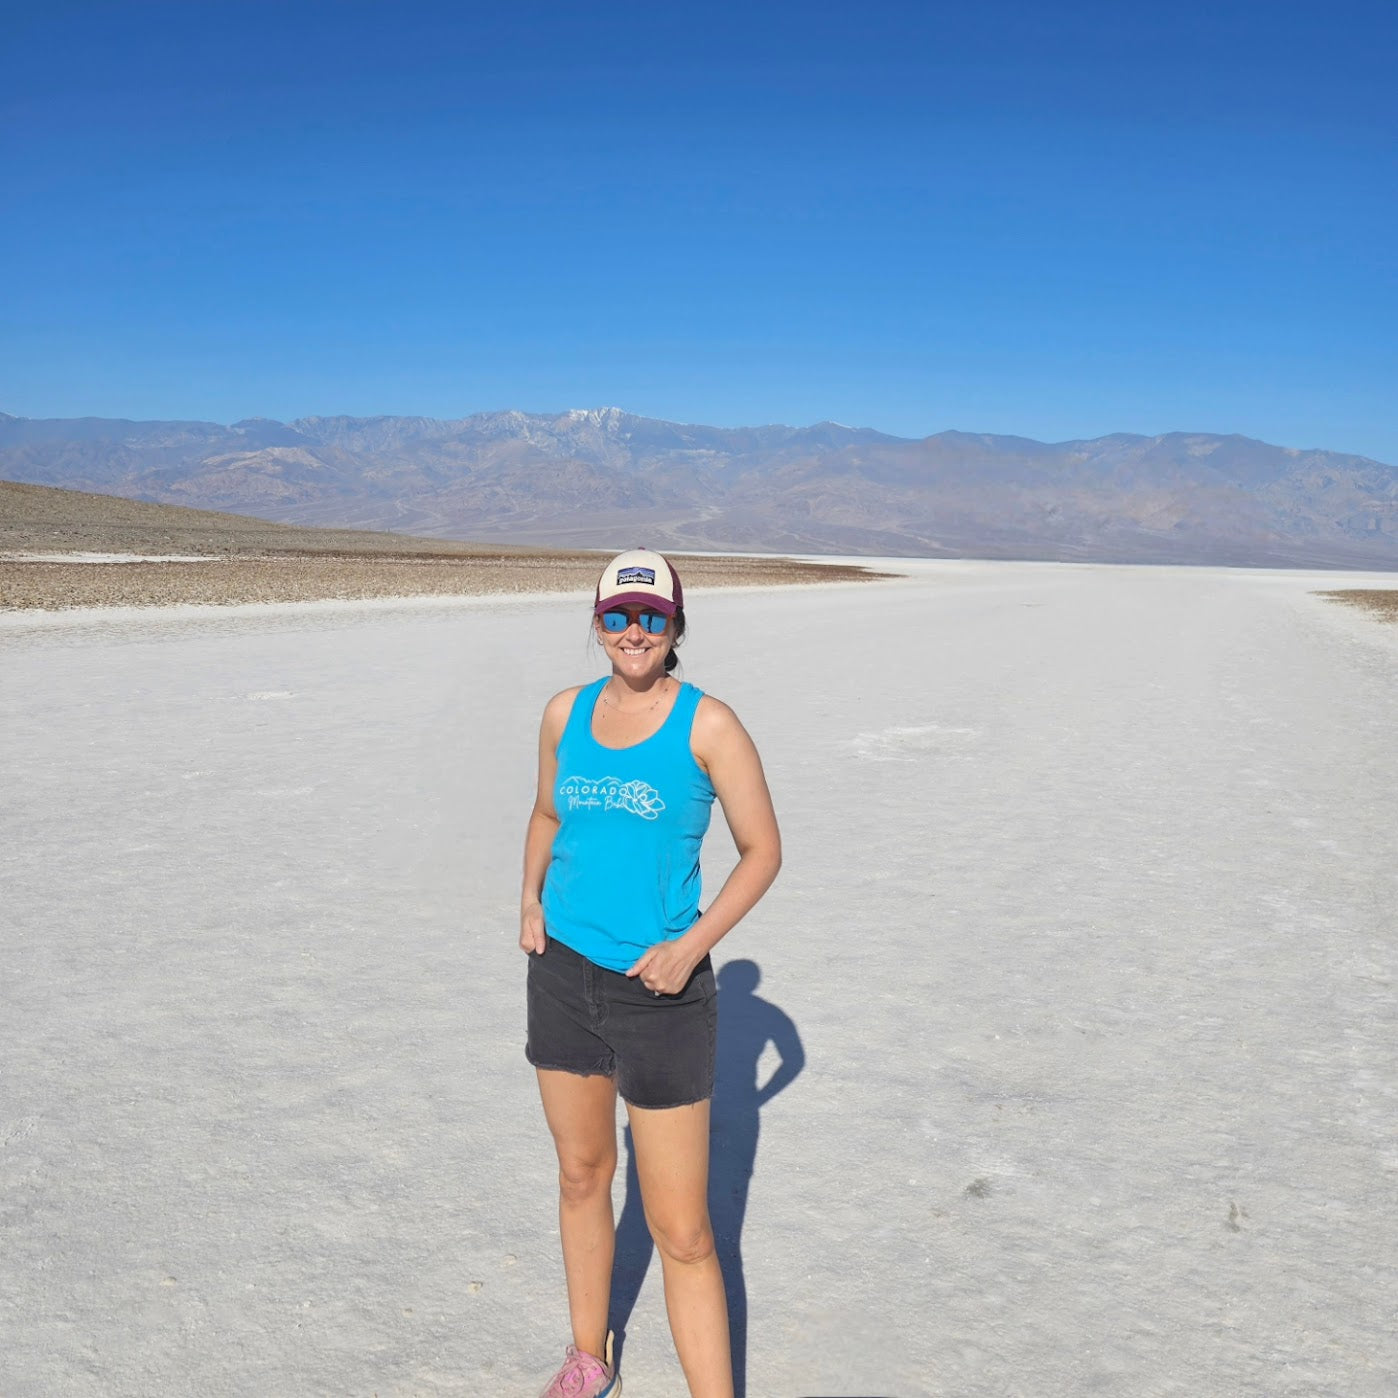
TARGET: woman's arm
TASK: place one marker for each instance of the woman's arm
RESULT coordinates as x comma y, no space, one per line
722,746
543,824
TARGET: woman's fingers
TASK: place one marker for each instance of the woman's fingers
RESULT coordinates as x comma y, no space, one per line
664,969
531,933
651,971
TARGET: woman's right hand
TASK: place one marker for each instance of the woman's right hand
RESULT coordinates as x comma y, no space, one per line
531,928
543,825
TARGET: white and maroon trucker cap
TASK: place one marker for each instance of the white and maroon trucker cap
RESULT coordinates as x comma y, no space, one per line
639,578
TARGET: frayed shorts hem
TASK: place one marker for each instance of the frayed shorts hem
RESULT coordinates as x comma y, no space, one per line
666,1106
598,1072
607,1073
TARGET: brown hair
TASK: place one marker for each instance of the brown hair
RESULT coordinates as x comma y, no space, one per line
676,633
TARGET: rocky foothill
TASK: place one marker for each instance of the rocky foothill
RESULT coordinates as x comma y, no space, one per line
175,555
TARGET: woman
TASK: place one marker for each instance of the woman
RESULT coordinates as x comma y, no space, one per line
621,990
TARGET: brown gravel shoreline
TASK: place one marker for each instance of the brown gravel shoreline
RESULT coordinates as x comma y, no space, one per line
1381,602
230,580
242,559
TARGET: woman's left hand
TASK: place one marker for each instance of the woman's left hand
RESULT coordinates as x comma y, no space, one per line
666,968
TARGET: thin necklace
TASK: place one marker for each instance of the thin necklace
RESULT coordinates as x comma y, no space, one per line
630,713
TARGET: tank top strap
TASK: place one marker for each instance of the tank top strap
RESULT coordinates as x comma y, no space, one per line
681,720
580,715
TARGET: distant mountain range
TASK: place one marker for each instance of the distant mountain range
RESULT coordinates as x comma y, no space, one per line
605,478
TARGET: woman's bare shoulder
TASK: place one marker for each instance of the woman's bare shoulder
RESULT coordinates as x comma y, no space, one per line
564,698
715,723
558,708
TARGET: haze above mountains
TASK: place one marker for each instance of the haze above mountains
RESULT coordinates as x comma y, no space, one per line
606,478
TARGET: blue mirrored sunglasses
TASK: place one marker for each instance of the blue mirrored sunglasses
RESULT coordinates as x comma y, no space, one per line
617,619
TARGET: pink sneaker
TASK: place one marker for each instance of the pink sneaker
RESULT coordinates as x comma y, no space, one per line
583,1375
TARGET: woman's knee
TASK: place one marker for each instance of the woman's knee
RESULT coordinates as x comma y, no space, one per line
684,1240
582,1177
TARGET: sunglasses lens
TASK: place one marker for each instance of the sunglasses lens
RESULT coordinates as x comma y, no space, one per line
651,622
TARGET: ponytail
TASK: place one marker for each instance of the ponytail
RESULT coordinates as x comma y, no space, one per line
676,635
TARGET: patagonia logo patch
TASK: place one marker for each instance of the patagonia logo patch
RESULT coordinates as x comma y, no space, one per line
636,575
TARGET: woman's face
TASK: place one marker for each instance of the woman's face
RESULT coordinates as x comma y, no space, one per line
635,652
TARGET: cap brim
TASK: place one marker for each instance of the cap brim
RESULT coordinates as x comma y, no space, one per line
637,599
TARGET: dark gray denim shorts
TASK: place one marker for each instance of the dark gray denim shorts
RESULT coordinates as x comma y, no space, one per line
586,1019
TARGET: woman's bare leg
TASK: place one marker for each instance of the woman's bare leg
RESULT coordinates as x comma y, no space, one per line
581,1113
672,1162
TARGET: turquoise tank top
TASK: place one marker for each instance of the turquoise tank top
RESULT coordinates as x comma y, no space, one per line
625,868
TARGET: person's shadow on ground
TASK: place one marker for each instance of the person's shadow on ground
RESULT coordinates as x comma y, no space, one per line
746,1025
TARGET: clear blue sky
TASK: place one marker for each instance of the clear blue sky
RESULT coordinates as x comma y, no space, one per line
1050,218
